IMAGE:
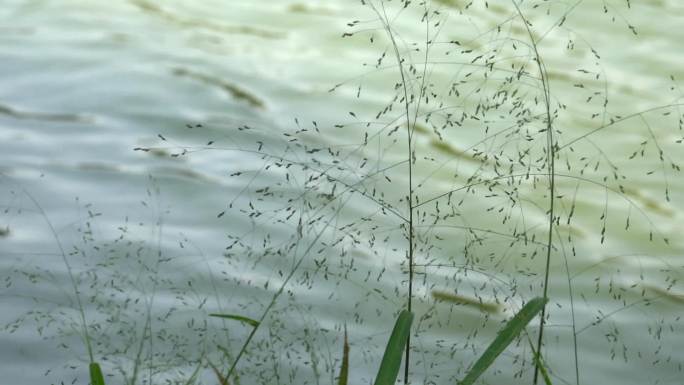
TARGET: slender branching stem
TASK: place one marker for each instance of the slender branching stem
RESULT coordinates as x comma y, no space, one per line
385,21
550,162
277,294
72,278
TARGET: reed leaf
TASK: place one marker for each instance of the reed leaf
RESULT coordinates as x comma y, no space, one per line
344,369
96,377
391,360
249,321
510,331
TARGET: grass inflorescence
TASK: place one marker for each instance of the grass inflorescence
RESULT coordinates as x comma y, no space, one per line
451,209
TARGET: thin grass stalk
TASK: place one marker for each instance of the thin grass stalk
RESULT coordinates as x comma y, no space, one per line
72,279
147,328
539,361
141,346
220,377
550,161
278,293
572,310
409,134
193,377
212,280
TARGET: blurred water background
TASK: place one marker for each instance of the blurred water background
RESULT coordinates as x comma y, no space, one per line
83,83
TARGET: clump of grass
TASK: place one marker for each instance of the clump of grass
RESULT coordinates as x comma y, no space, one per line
108,314
391,360
465,187
521,172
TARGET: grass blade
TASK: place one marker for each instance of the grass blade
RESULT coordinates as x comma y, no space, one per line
221,378
539,362
509,332
96,377
193,377
344,369
236,317
391,360
542,369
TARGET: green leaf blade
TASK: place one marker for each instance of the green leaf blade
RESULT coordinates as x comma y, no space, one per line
246,320
510,331
391,360
96,377
344,369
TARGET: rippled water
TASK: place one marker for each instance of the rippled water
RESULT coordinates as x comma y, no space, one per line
84,83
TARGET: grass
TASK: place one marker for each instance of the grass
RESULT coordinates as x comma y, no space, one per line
96,377
411,91
483,183
391,360
513,329
550,163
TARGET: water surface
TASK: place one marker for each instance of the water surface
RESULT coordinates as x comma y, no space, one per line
158,239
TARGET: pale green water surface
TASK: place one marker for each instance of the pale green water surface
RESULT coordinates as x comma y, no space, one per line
83,83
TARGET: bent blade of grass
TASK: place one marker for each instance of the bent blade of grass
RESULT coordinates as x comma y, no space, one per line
510,331
249,321
344,369
96,377
391,360
221,378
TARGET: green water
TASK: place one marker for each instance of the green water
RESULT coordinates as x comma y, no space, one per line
86,82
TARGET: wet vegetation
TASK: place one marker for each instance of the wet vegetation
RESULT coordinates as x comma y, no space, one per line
469,191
